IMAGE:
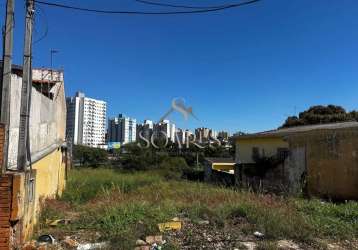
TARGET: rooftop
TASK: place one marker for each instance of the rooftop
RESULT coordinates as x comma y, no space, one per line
300,129
220,160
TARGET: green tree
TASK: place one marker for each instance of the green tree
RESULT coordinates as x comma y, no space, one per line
320,115
88,156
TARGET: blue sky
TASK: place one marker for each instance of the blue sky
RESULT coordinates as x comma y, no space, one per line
241,69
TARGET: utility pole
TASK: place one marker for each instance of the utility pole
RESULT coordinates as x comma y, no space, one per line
26,88
6,78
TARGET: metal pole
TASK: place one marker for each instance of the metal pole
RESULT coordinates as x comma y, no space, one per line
6,79
26,87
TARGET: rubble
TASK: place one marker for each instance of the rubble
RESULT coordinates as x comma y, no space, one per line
203,222
154,239
249,245
140,242
287,245
89,246
70,243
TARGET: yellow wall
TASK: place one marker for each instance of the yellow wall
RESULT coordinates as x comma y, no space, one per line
268,144
333,169
49,175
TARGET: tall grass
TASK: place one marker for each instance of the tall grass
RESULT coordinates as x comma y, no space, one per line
126,206
86,184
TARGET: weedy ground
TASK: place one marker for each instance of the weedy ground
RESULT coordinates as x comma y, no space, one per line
123,207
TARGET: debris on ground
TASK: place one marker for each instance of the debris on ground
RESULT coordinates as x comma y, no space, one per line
70,243
259,235
287,245
154,239
170,225
249,245
140,242
46,238
203,222
142,248
54,223
89,246
30,245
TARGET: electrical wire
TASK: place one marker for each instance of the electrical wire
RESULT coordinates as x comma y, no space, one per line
46,25
180,6
228,6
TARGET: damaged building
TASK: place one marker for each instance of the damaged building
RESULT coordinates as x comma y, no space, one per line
22,190
319,160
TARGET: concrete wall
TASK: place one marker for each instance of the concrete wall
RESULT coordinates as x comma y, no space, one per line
47,119
331,159
267,147
21,192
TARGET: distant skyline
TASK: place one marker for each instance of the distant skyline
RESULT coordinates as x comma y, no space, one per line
243,69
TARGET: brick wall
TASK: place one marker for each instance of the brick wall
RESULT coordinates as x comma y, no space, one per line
5,209
2,140
5,199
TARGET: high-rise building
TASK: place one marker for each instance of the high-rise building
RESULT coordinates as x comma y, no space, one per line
172,132
122,129
114,132
202,134
223,135
180,136
149,123
165,127
86,120
145,130
205,134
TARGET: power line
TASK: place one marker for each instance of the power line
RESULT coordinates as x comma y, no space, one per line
44,35
217,8
181,6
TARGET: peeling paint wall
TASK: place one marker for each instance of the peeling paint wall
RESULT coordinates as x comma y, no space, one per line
331,158
48,182
47,118
296,169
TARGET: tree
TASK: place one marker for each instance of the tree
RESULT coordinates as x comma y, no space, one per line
320,115
88,156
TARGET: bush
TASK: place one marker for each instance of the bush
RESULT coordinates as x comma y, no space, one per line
173,167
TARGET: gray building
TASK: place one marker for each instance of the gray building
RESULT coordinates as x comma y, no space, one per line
145,130
122,129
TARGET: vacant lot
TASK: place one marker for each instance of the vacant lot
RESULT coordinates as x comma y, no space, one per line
106,205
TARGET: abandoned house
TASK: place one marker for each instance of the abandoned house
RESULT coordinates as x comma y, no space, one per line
321,160
21,190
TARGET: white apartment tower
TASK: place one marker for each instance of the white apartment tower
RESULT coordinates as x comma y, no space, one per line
86,120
